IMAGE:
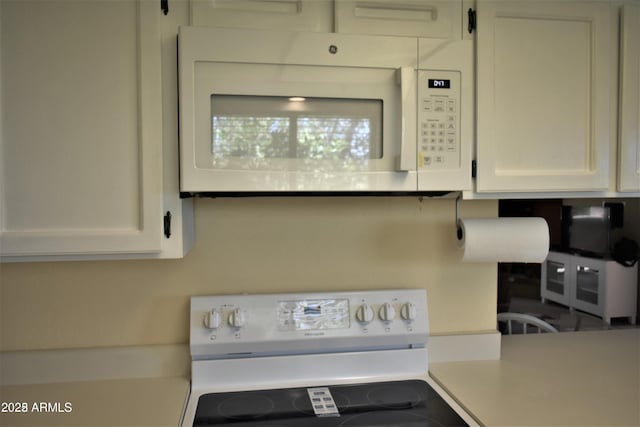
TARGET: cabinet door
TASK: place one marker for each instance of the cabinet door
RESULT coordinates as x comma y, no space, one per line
589,285
297,15
556,278
81,115
431,18
629,150
545,73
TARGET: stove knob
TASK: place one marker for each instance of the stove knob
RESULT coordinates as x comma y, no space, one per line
408,311
387,312
237,318
364,313
212,319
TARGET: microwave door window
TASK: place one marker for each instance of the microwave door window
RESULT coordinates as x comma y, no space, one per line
269,132
250,137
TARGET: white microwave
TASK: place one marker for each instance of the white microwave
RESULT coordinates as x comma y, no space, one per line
265,111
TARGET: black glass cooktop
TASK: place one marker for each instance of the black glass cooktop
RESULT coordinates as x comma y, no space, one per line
410,403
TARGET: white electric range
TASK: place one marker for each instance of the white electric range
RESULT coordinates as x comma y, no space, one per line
315,359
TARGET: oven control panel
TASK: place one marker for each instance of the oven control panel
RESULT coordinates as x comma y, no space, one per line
271,324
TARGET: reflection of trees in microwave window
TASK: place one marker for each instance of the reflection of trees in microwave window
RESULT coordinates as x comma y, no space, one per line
333,138
316,137
250,137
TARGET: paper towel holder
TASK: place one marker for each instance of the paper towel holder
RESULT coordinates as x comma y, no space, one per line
459,231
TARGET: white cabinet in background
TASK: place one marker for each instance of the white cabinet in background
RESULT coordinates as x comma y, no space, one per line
295,15
629,150
556,282
597,286
81,161
546,74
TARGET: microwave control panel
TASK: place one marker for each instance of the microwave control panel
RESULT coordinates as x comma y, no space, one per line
438,120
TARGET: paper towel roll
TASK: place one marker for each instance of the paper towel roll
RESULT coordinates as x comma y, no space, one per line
504,239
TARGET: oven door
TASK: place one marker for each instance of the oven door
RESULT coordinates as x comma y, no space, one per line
271,111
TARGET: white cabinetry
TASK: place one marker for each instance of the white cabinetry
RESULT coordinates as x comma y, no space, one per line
556,281
601,287
297,15
418,18
629,151
82,139
435,19
546,85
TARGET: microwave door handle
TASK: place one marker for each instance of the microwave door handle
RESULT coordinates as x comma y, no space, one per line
406,79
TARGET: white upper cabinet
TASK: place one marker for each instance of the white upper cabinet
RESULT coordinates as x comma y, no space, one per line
81,161
420,18
298,15
546,95
629,150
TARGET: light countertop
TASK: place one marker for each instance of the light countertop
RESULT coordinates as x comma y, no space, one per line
156,402
573,378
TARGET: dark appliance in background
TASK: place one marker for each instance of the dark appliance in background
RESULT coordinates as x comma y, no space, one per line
591,231
586,230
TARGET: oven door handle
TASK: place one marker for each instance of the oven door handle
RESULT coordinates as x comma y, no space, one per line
407,159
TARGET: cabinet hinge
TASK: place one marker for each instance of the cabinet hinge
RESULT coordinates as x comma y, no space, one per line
164,5
474,168
167,224
472,20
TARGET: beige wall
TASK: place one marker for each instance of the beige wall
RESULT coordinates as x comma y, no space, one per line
254,245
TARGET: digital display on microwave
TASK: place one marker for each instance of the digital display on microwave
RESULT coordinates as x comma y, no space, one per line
439,84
